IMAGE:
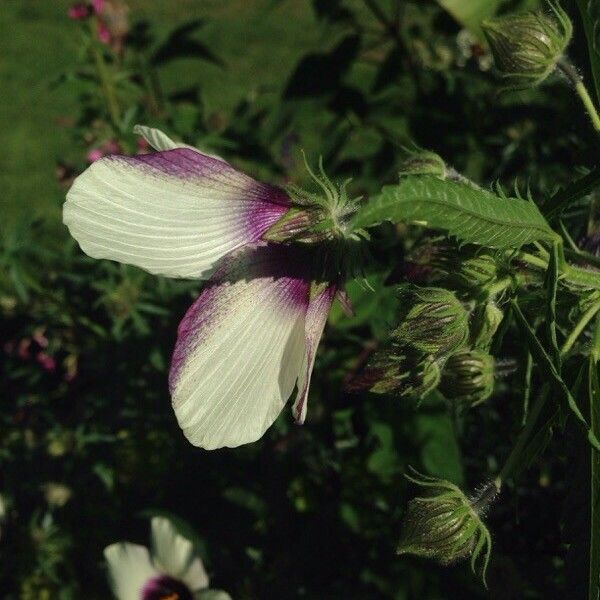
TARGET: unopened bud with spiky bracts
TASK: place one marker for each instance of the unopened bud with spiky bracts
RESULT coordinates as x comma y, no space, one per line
487,319
322,215
527,47
468,377
436,323
398,374
423,162
446,525
476,272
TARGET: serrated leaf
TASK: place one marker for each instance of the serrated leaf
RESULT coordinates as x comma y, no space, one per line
573,192
470,214
549,369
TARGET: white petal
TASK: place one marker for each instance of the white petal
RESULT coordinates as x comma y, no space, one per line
316,318
174,555
157,139
173,213
239,349
130,568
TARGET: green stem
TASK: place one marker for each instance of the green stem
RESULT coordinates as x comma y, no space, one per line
524,437
578,330
594,397
107,86
570,72
585,278
532,260
589,105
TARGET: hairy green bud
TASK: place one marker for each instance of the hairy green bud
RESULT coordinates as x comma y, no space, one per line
423,163
477,272
485,324
468,377
402,375
527,47
445,525
436,322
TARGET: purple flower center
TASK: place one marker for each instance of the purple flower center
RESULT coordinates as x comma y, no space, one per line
164,587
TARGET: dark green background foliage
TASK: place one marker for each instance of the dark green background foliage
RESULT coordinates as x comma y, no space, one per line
307,512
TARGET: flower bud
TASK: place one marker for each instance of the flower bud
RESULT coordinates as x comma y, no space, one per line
296,224
485,324
400,375
446,525
436,323
468,377
475,273
527,47
423,163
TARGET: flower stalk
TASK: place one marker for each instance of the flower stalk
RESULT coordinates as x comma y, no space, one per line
566,67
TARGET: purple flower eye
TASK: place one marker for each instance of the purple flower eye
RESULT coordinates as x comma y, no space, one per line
164,587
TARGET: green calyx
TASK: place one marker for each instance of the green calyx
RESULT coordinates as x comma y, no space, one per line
527,47
317,216
445,525
468,377
478,272
403,375
436,323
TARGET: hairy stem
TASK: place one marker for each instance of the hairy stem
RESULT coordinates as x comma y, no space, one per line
578,329
570,72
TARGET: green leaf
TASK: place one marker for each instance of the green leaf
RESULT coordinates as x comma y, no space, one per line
577,190
470,214
590,14
545,363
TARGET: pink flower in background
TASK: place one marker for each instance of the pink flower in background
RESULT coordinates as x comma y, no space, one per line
143,146
109,147
94,155
24,351
47,362
104,34
40,339
251,337
79,12
99,6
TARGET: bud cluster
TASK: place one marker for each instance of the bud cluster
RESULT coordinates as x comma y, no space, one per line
441,342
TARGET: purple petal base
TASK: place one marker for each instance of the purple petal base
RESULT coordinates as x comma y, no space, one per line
164,587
